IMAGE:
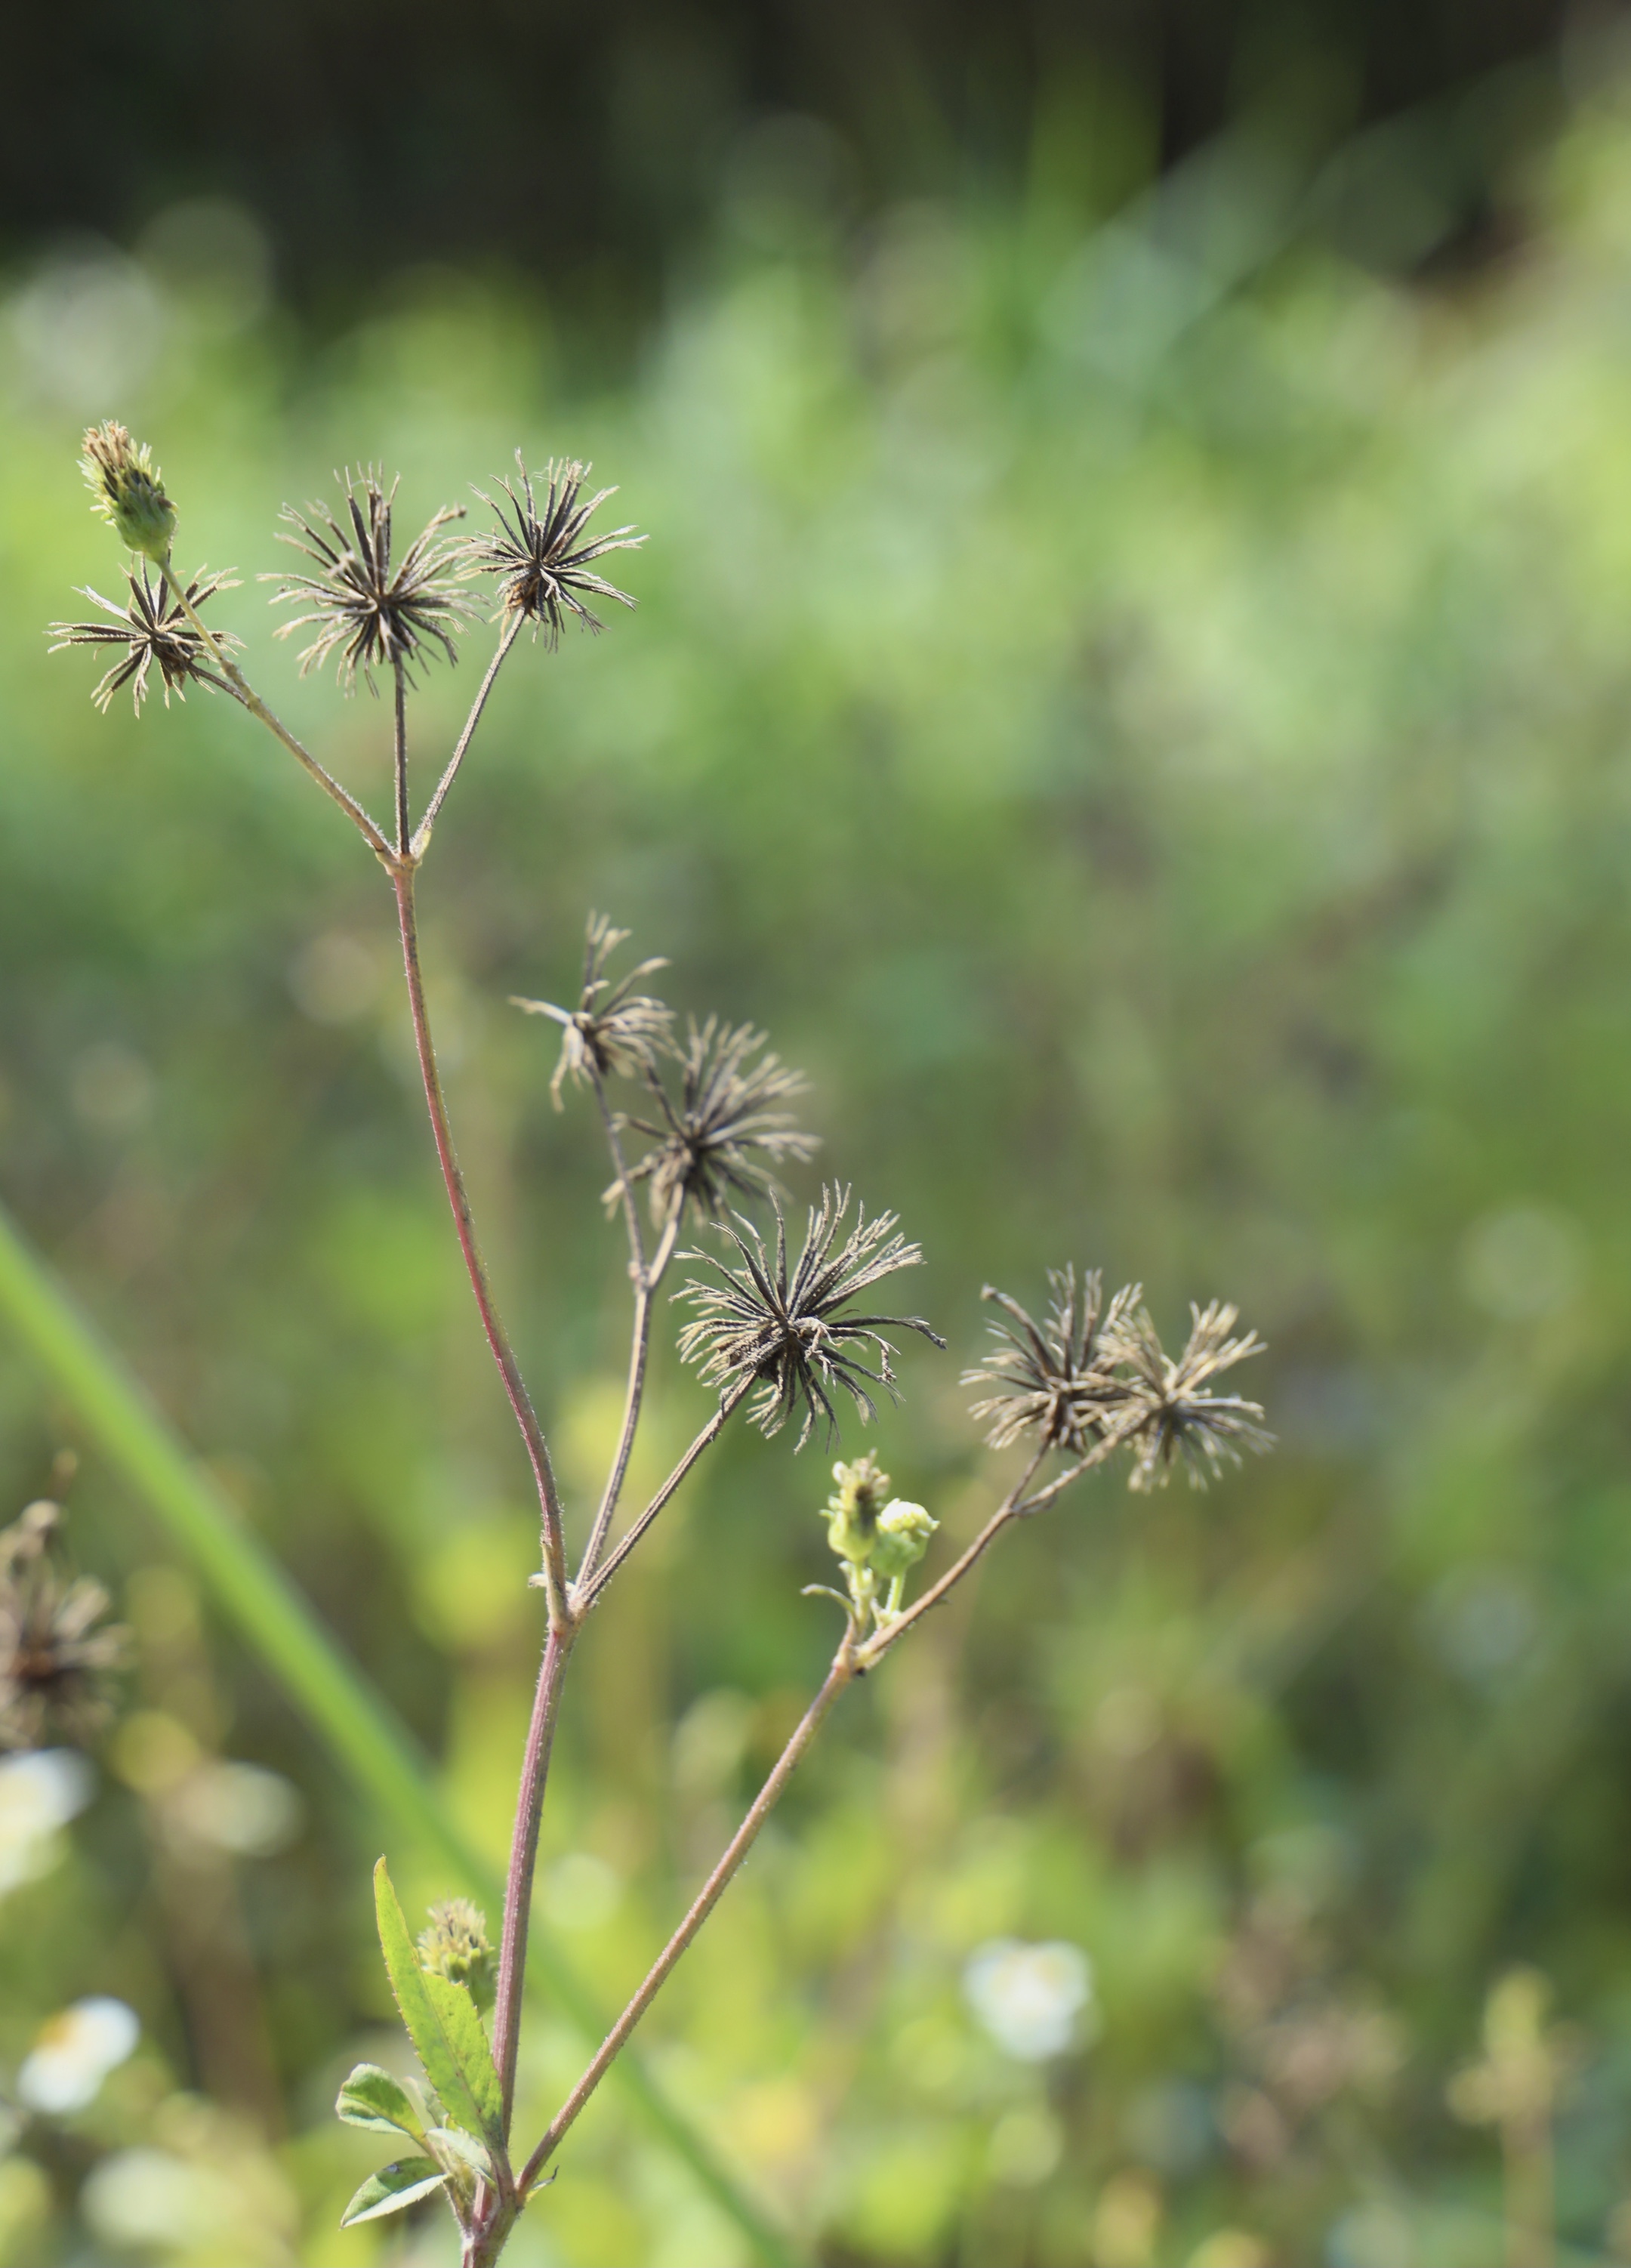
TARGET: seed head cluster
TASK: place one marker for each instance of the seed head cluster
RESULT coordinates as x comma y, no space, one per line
614,1030
370,613
1088,1386
783,1330
538,554
721,1135
155,634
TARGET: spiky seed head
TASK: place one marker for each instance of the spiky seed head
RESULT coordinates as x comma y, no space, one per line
154,633
723,1134
613,1029
537,553
1172,1415
782,1329
127,491
369,613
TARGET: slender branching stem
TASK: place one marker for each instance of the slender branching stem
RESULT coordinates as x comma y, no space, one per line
398,759
881,1640
584,1595
504,1356
845,1667
523,1858
422,837
645,1279
242,690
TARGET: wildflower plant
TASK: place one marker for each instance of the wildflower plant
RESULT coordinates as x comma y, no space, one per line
781,1325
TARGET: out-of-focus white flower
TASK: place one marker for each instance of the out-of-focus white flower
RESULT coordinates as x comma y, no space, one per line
74,2052
1035,2001
243,1809
38,1794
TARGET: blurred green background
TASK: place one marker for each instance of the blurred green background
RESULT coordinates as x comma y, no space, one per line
1131,688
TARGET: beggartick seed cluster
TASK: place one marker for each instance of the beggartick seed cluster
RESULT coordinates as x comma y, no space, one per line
781,1324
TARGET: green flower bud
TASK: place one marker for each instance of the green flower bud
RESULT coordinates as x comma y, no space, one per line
852,1510
456,1946
130,491
902,1537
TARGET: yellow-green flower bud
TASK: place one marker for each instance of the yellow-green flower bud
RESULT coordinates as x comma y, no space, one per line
130,491
852,1510
902,1537
456,1946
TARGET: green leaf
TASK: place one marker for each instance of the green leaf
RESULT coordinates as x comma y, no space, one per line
401,2183
371,2097
442,2023
451,2142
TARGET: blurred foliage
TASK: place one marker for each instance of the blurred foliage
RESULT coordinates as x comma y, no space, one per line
1143,718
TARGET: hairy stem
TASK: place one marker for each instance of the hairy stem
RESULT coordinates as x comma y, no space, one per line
422,837
523,1858
844,1668
504,1356
239,685
584,1595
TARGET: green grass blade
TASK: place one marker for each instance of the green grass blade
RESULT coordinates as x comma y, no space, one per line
358,1727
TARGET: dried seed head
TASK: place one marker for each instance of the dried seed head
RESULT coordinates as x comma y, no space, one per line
128,491
456,1946
1055,1380
541,564
371,615
784,1331
154,633
613,1029
1171,1414
713,1139
53,1659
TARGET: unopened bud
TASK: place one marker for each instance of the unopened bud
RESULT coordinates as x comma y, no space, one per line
852,1510
129,491
902,1537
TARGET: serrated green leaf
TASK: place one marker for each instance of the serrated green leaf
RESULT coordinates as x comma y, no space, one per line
392,2188
452,2142
371,2098
442,2023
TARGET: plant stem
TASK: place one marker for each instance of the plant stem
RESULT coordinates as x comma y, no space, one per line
584,1595
524,1858
398,759
645,1282
422,837
844,1668
509,1369
879,1645
242,689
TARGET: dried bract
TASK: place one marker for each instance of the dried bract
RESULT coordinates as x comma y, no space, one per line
541,563
374,615
53,1659
129,491
784,1331
712,1141
613,1029
1055,1380
154,632
1172,1414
